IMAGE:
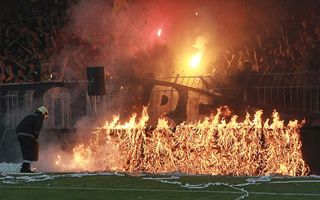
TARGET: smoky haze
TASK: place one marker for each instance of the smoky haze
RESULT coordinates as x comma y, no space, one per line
128,42
129,39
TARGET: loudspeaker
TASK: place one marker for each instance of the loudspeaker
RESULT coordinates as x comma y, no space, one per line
96,81
164,100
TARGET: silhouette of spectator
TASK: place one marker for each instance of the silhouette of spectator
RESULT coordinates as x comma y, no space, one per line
19,78
33,73
9,76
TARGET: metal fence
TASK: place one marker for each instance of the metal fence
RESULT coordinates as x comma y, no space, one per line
200,82
295,92
19,105
12,107
57,100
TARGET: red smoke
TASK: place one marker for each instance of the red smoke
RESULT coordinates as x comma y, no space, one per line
111,38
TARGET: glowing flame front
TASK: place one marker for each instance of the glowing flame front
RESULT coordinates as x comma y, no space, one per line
211,146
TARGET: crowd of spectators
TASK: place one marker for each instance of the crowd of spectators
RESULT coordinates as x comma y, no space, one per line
292,47
31,34
27,38
36,45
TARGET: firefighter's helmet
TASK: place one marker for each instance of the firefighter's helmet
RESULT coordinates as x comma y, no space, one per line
44,111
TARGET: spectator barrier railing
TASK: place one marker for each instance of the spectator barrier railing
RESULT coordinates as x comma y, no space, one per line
58,104
19,105
294,92
200,82
12,105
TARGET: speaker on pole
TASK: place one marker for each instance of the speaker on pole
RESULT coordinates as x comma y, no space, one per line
96,81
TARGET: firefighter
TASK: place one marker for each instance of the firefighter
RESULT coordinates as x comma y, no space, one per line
28,131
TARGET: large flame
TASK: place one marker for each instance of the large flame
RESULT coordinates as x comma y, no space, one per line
211,146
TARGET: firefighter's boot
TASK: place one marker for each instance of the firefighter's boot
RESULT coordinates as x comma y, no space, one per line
26,168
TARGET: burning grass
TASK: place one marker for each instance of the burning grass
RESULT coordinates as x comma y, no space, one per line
213,145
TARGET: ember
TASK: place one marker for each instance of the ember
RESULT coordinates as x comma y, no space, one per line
213,145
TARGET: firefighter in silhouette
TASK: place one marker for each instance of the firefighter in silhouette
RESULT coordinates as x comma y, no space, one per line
28,131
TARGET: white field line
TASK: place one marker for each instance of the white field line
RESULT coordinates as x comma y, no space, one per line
159,190
294,181
244,192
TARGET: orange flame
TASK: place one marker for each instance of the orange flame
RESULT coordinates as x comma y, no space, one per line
58,161
211,146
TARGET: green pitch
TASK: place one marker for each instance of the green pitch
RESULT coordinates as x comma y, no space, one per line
160,187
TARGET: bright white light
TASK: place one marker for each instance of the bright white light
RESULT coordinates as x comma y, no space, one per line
195,60
159,32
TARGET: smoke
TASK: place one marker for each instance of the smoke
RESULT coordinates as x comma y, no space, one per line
57,149
64,152
127,41
98,35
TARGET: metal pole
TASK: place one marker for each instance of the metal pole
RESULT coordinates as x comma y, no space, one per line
271,95
304,98
317,103
258,99
290,96
68,110
62,107
310,101
11,111
16,109
284,97
7,105
265,95
297,106
53,113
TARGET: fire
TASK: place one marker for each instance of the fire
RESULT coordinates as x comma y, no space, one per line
213,145
159,32
195,60
58,161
